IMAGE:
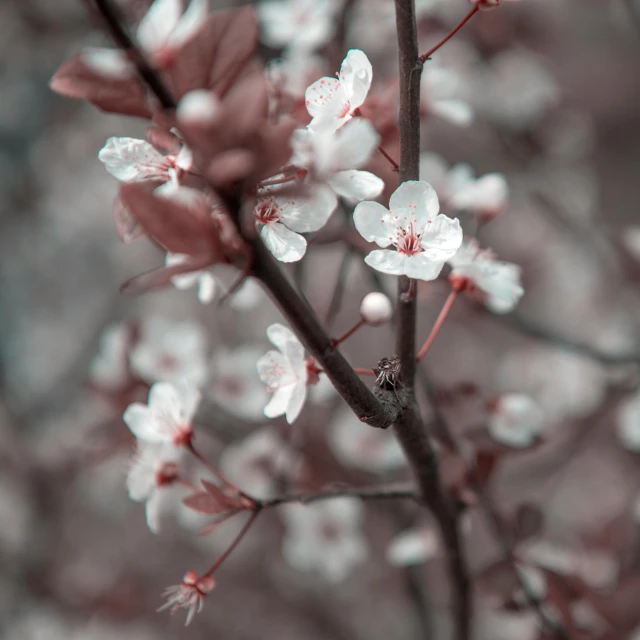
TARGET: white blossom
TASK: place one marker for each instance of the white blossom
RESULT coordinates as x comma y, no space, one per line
516,420
423,240
109,368
325,537
281,220
629,423
168,350
166,418
331,102
498,282
285,373
258,462
203,279
335,158
412,547
440,90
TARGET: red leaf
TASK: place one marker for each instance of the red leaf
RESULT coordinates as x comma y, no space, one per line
175,226
202,503
75,79
161,277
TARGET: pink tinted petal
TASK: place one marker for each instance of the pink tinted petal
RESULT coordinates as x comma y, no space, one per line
284,244
356,74
273,369
130,160
320,97
158,23
371,222
360,185
387,261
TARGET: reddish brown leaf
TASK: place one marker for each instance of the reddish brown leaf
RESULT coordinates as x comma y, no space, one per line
75,79
161,277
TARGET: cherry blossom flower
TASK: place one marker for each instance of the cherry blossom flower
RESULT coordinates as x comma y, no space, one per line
331,102
257,463
134,160
476,271
629,423
298,24
335,157
516,420
109,369
412,547
167,416
204,280
325,537
151,478
286,373
168,351
357,445
189,594
423,240
162,30
440,89
235,385
281,220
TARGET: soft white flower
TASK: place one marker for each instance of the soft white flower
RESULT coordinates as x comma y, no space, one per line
291,74
151,478
331,102
335,157
298,24
166,418
160,32
281,220
516,420
423,240
376,309
412,547
168,350
476,270
357,445
285,373
235,385
325,537
109,368
629,423
203,279
258,463
440,89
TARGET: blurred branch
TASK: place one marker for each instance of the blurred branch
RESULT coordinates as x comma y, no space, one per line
372,493
338,291
425,56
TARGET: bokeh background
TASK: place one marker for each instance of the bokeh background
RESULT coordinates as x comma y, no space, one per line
555,89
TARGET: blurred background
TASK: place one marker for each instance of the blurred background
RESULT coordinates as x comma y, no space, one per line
546,92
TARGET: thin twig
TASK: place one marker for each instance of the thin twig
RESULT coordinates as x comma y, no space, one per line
425,56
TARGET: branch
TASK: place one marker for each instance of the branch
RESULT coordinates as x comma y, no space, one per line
372,493
425,56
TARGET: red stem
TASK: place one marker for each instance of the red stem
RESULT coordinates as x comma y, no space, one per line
336,341
233,545
439,322
364,372
213,470
394,164
425,56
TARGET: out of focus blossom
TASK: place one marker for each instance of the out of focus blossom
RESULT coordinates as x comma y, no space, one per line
376,309
258,463
168,351
285,372
515,420
412,547
235,385
441,92
423,240
357,445
291,74
476,271
204,280
629,423
298,24
332,102
166,419
109,369
325,537
189,594
151,479
335,157
281,220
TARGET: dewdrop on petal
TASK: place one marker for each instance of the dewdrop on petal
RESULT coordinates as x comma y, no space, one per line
376,309
198,108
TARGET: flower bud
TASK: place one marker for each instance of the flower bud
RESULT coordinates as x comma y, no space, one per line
376,309
198,108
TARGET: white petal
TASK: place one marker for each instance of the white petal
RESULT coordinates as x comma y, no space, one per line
304,215
360,185
387,261
279,402
296,401
158,23
110,63
456,112
412,547
206,287
188,24
164,399
284,244
324,97
159,504
142,423
417,196
356,74
275,370
353,145
280,336
420,266
130,160
442,238
370,219
189,399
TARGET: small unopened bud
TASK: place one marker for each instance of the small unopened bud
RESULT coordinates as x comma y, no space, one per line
376,309
198,108
485,5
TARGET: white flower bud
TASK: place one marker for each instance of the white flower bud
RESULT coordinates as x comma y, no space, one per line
376,309
199,107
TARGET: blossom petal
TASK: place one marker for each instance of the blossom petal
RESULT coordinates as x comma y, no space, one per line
296,401
442,238
309,214
356,74
422,267
284,244
158,23
360,185
352,145
417,196
188,397
130,159
280,336
324,96
110,63
456,112
164,400
371,222
279,402
142,423
387,261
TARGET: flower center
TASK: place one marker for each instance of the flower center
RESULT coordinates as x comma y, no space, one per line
408,241
267,211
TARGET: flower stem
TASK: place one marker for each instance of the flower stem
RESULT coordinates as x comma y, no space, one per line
439,322
425,56
247,525
336,341
364,372
393,163
213,470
